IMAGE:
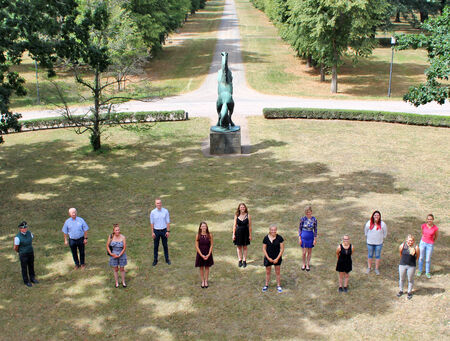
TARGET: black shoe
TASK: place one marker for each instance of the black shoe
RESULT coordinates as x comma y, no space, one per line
340,289
28,284
168,261
400,293
155,262
240,263
345,289
124,285
409,295
244,264
35,281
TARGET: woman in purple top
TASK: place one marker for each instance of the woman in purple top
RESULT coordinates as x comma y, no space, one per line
204,258
307,235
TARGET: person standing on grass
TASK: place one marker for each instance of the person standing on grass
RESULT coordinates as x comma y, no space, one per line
204,258
375,231
242,233
273,248
160,223
344,262
430,232
23,244
307,236
408,256
75,235
116,247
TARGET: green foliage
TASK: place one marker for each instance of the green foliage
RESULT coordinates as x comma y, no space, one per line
112,119
437,43
358,115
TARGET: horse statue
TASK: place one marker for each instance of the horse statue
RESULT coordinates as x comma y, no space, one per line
225,103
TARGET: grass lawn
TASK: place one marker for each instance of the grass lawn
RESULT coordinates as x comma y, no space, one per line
180,67
344,169
276,70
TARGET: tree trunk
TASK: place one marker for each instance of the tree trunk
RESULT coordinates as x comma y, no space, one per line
334,79
95,136
397,16
423,16
322,73
309,61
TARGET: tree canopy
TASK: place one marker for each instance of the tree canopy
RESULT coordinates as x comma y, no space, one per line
436,40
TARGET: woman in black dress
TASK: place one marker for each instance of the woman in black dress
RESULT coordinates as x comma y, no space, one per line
273,248
344,263
242,233
204,259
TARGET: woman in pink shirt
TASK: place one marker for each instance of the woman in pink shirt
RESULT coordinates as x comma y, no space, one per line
429,236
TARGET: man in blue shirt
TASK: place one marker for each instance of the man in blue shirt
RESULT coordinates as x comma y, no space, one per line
160,222
75,235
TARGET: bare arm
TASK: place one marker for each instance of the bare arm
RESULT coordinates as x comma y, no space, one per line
168,230
211,247
197,247
280,254
66,241
400,248
249,227
124,246
338,251
234,227
417,251
436,234
16,248
153,232
265,253
107,246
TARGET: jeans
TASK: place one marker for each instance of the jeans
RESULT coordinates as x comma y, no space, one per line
27,265
403,271
160,234
374,249
426,250
74,245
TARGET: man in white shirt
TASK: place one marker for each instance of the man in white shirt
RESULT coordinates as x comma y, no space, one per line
160,223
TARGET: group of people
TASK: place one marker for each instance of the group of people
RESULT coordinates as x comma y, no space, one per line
75,231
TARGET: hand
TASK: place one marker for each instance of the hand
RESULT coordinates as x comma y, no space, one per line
276,260
299,241
250,237
66,242
153,235
205,257
85,241
234,237
115,256
167,234
270,260
314,242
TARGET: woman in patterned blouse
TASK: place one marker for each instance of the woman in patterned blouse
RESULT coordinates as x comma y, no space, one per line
307,235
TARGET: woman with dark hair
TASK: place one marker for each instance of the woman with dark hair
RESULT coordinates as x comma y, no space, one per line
307,235
116,247
429,236
204,258
375,231
242,233
344,262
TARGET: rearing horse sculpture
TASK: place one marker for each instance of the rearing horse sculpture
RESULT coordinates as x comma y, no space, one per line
225,103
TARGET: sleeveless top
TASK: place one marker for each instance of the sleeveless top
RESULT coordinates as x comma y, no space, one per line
242,223
407,258
26,241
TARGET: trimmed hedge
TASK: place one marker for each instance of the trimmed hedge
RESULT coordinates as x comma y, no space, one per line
358,115
114,118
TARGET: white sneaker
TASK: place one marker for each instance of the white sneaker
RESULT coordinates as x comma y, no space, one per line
377,271
279,289
368,271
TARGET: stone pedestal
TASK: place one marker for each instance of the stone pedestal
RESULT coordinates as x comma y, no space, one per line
225,142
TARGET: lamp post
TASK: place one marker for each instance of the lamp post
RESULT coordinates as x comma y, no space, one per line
393,41
37,83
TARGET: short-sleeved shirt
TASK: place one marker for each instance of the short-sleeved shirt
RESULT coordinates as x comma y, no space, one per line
273,248
17,240
428,234
159,218
75,228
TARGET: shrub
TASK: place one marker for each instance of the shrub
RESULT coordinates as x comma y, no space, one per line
358,115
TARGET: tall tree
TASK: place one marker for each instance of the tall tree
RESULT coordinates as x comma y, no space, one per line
21,29
328,29
436,40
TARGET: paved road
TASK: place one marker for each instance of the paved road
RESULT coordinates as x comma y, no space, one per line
201,102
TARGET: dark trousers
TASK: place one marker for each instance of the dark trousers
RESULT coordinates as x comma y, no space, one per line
74,245
160,234
27,265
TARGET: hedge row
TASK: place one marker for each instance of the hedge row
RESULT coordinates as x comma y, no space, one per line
114,118
358,115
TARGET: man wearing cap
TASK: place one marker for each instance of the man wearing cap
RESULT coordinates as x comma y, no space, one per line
160,223
23,245
75,235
